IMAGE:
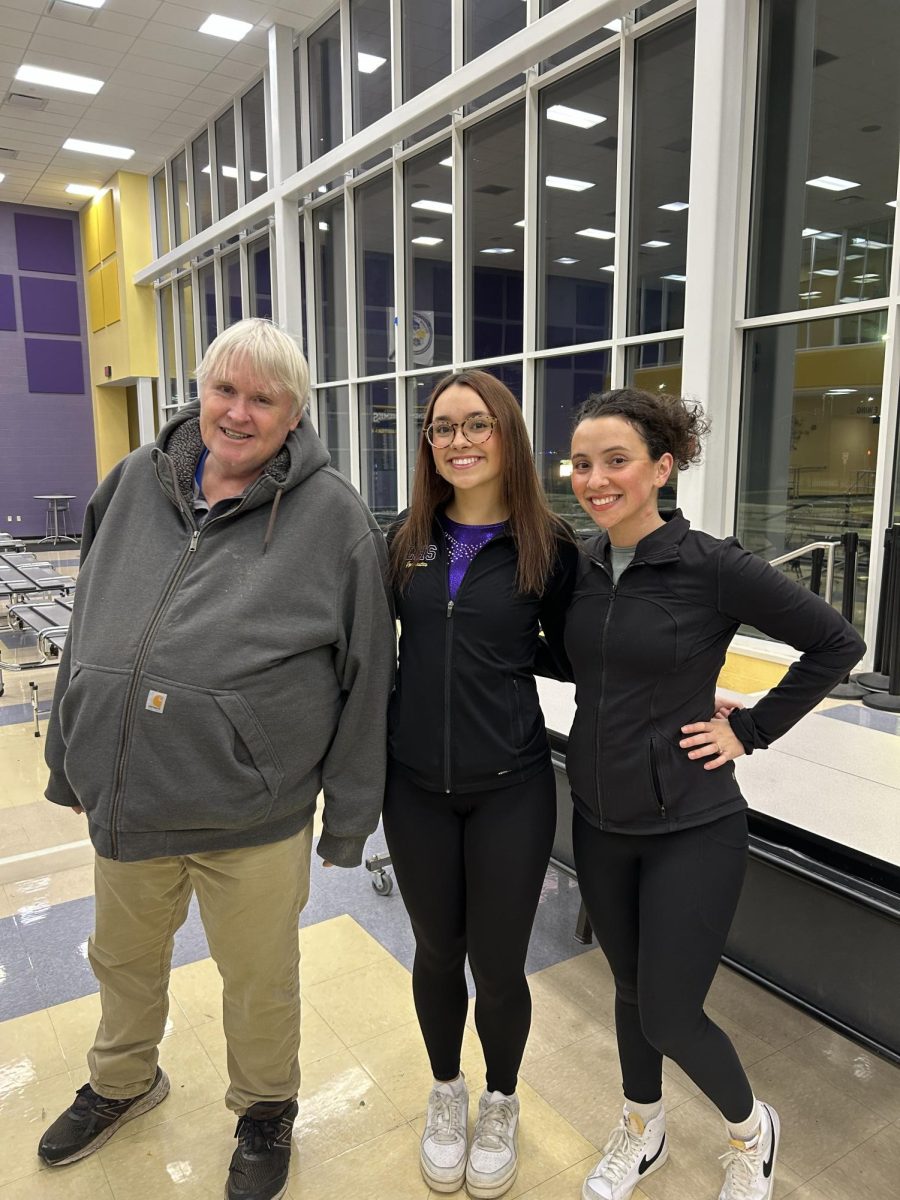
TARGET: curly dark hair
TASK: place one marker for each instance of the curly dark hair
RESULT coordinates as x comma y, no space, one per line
668,424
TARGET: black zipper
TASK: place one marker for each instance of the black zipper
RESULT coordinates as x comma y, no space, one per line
448,655
520,732
657,785
143,651
597,782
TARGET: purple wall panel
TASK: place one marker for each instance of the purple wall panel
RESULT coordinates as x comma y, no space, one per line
48,438
54,366
49,305
7,303
45,243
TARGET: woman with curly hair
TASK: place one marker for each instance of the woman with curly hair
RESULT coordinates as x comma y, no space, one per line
660,825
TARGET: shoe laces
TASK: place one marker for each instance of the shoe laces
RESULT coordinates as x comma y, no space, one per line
88,1101
741,1169
256,1135
444,1118
620,1152
492,1126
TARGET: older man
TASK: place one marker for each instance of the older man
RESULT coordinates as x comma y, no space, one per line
231,655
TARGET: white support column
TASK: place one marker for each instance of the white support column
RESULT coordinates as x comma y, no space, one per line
531,283
621,257
283,109
146,424
402,324
723,74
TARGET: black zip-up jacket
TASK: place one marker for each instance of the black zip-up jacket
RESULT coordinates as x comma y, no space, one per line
646,654
465,714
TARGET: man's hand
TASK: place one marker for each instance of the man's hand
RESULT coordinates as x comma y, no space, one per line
709,738
325,863
76,808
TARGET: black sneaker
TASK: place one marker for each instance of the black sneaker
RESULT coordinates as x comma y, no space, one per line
93,1119
259,1166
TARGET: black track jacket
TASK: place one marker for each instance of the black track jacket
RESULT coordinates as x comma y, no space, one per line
465,715
646,655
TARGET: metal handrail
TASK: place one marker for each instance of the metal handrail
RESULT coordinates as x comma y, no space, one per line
830,549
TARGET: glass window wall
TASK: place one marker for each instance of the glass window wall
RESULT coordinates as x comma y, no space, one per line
324,49
378,448
486,23
663,98
202,181
231,287
226,157
578,140
260,279
206,282
180,198
495,204
253,131
188,342
374,214
429,279
608,31
161,212
331,290
370,42
426,27
169,367
828,127
334,425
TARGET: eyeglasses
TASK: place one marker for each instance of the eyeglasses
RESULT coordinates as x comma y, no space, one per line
474,430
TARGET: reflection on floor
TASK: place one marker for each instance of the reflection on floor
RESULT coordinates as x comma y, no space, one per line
365,1073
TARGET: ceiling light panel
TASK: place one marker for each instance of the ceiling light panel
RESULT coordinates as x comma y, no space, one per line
831,183
655,244
368,63
574,116
567,261
87,3
567,185
82,189
99,148
433,206
225,27
602,235
499,250
427,241
675,206
58,79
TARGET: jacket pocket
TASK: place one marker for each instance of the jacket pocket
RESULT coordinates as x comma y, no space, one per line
90,721
655,780
196,759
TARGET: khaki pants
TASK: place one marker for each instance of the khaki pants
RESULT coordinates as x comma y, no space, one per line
250,903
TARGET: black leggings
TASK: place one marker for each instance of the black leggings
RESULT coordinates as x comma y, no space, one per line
661,906
470,867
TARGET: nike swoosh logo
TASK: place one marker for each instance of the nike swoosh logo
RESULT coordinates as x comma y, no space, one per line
767,1165
646,1163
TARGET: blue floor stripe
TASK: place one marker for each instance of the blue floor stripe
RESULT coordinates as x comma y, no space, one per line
866,718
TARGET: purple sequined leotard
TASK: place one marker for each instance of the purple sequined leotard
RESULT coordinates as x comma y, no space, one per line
463,543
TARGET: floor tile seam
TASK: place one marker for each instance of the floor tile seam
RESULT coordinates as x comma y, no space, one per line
301,1171
829,767
824,1076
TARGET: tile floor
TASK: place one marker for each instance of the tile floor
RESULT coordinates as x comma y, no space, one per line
365,1072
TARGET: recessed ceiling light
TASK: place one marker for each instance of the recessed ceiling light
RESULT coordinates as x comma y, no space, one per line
99,148
2,176
58,79
447,162
868,278
427,241
603,234
868,244
87,3
655,244
841,391
809,295
817,233
810,232
892,203
567,185
675,206
323,225
566,261
231,173
499,250
831,183
368,63
615,25
433,205
520,224
608,267
826,271
82,189
323,187
675,278
225,27
574,116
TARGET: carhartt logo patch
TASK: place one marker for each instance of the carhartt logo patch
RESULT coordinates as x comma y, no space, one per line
156,701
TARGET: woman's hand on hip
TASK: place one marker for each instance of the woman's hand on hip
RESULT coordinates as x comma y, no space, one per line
725,707
711,738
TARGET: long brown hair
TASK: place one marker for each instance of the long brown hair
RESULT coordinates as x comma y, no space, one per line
534,527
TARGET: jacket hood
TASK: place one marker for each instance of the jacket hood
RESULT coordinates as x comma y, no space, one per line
662,545
300,457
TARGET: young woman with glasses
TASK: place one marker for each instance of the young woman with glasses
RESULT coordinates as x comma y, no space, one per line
660,826
480,564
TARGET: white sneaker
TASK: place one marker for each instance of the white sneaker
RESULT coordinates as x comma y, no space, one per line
493,1155
632,1152
750,1166
442,1155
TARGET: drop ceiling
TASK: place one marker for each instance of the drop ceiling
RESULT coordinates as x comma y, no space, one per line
162,80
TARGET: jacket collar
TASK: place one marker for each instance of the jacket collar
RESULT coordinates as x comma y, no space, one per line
661,546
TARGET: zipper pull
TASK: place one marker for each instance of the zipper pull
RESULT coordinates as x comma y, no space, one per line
449,609
194,539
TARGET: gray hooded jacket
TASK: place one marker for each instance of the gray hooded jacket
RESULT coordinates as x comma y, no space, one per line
216,678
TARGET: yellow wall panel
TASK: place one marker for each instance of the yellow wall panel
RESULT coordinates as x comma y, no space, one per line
95,301
110,276
107,225
90,225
